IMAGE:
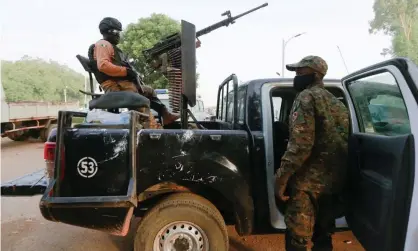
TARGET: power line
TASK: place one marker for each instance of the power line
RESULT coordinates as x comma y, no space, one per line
343,59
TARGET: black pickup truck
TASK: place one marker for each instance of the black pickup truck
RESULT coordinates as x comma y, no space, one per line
187,185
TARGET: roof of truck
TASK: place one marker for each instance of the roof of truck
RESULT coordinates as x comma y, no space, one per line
288,81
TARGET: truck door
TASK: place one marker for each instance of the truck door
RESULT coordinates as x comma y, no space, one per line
381,196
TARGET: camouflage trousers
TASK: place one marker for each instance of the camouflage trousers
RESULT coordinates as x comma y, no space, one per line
110,86
129,86
309,216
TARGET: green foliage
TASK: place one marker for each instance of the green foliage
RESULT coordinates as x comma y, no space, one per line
37,80
398,18
143,35
389,101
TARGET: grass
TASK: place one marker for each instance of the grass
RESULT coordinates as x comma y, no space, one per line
77,120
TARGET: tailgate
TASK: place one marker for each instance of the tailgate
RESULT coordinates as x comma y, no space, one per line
96,161
31,184
94,183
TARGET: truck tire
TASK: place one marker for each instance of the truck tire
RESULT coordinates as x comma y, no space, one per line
18,136
182,221
34,133
45,132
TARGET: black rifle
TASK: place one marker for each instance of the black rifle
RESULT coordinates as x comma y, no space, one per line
173,41
138,82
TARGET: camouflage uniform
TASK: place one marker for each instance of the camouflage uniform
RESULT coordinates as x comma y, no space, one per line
316,158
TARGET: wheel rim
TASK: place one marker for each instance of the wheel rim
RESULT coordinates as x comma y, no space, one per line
181,236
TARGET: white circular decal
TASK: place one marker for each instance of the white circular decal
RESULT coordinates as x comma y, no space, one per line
87,167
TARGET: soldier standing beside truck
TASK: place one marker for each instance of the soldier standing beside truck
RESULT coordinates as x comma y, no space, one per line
313,167
113,75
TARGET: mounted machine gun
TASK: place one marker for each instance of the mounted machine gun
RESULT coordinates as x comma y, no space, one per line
175,57
174,41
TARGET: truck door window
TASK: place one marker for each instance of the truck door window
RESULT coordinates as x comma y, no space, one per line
379,105
223,106
230,111
227,99
241,106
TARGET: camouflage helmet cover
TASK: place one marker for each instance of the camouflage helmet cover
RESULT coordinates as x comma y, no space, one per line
314,62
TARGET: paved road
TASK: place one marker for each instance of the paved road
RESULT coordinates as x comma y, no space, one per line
23,228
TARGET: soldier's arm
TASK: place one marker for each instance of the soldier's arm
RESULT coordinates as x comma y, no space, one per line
104,53
342,119
302,135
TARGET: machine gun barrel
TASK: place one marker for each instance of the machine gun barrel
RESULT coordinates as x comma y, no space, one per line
173,41
227,21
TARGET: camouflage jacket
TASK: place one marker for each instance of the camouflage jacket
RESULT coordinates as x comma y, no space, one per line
316,154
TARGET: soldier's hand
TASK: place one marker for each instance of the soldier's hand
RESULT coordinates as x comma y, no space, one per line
148,91
280,187
130,73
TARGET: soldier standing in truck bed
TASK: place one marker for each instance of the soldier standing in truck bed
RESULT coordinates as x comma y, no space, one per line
113,76
313,168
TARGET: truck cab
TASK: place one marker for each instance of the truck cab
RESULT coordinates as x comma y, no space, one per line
194,182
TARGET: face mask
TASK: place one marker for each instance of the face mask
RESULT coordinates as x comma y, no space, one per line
302,81
113,39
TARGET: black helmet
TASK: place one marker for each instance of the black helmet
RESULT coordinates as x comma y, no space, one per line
110,25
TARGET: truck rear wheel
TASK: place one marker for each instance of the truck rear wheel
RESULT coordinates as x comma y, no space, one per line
18,135
182,221
45,132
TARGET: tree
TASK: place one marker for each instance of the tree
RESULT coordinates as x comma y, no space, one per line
398,18
143,35
38,80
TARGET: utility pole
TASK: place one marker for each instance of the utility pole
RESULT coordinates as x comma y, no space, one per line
85,89
284,43
65,94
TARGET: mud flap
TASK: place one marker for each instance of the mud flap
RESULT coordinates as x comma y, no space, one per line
28,185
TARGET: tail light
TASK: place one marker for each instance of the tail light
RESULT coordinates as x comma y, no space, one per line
49,157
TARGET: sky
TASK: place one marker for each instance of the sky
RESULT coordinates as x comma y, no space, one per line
251,48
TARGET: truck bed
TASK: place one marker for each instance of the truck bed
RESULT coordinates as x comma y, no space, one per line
33,110
202,156
102,167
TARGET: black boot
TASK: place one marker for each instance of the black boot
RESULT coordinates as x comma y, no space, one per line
322,241
324,225
162,110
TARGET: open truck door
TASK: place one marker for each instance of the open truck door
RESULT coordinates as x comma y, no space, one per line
381,195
